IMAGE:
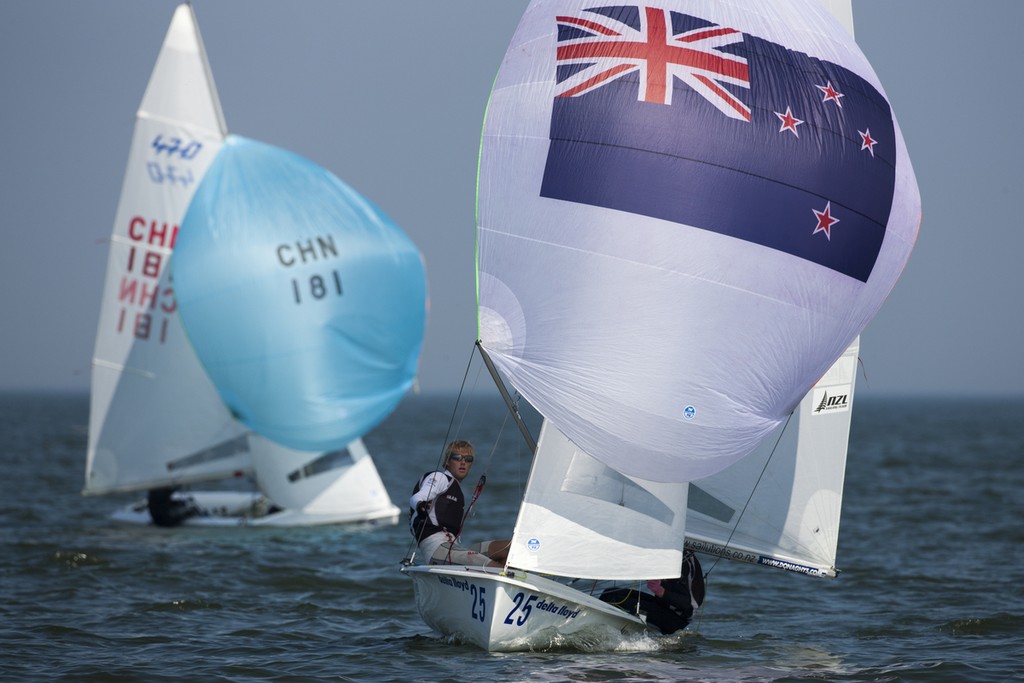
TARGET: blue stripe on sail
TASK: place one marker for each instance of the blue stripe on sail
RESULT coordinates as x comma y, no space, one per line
619,178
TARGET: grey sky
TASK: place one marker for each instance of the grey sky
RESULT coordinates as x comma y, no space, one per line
390,95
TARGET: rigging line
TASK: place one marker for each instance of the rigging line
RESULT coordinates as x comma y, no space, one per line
487,464
863,370
757,483
411,554
521,478
476,494
483,477
458,399
481,482
523,429
465,410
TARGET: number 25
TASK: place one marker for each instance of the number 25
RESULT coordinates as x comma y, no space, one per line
479,599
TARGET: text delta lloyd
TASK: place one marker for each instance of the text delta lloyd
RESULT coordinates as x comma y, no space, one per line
541,604
560,610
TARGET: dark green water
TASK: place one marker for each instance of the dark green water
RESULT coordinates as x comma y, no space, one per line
930,548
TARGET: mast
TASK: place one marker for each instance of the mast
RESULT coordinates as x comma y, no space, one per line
523,429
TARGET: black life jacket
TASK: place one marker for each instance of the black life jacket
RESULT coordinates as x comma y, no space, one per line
685,594
447,510
674,609
165,509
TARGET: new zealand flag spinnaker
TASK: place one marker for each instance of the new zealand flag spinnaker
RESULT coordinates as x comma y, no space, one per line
688,210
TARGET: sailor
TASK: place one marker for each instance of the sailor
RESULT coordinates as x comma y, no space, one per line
675,600
167,510
671,603
437,509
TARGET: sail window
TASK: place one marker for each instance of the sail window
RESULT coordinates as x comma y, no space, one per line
703,502
332,460
224,449
593,479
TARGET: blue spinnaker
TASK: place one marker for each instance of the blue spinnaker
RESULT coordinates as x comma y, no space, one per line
304,302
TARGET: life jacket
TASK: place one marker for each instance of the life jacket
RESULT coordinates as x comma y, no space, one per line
686,594
674,609
165,509
445,513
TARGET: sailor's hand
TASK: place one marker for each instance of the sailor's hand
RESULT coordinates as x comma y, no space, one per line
423,507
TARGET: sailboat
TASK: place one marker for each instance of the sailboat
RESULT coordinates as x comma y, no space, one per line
688,213
156,418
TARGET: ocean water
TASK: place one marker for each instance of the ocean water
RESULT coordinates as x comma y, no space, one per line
930,548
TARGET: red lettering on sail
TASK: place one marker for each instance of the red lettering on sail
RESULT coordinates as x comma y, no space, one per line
155,232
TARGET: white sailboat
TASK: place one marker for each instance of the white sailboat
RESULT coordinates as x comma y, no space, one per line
156,419
700,373
579,519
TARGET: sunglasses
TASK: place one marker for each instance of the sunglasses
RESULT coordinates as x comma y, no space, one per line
457,457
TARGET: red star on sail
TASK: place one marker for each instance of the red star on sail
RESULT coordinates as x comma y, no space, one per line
831,93
789,122
868,143
825,221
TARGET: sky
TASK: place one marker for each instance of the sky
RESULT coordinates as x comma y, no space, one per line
390,94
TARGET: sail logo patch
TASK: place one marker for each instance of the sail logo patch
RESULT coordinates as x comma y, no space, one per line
831,400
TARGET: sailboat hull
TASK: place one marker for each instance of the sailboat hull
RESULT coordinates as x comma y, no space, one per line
243,508
502,612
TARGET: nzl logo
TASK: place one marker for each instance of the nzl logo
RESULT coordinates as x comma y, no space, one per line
831,400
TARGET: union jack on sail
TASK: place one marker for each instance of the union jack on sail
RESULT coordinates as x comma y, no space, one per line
602,46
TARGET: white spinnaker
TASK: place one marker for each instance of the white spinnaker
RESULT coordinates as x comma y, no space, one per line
591,313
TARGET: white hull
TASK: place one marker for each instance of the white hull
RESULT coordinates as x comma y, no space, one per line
507,613
240,508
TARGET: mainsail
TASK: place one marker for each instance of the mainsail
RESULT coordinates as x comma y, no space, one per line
780,506
155,415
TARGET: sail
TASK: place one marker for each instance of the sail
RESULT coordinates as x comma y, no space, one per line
687,212
792,522
155,417
780,506
316,488
842,10
580,518
305,302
